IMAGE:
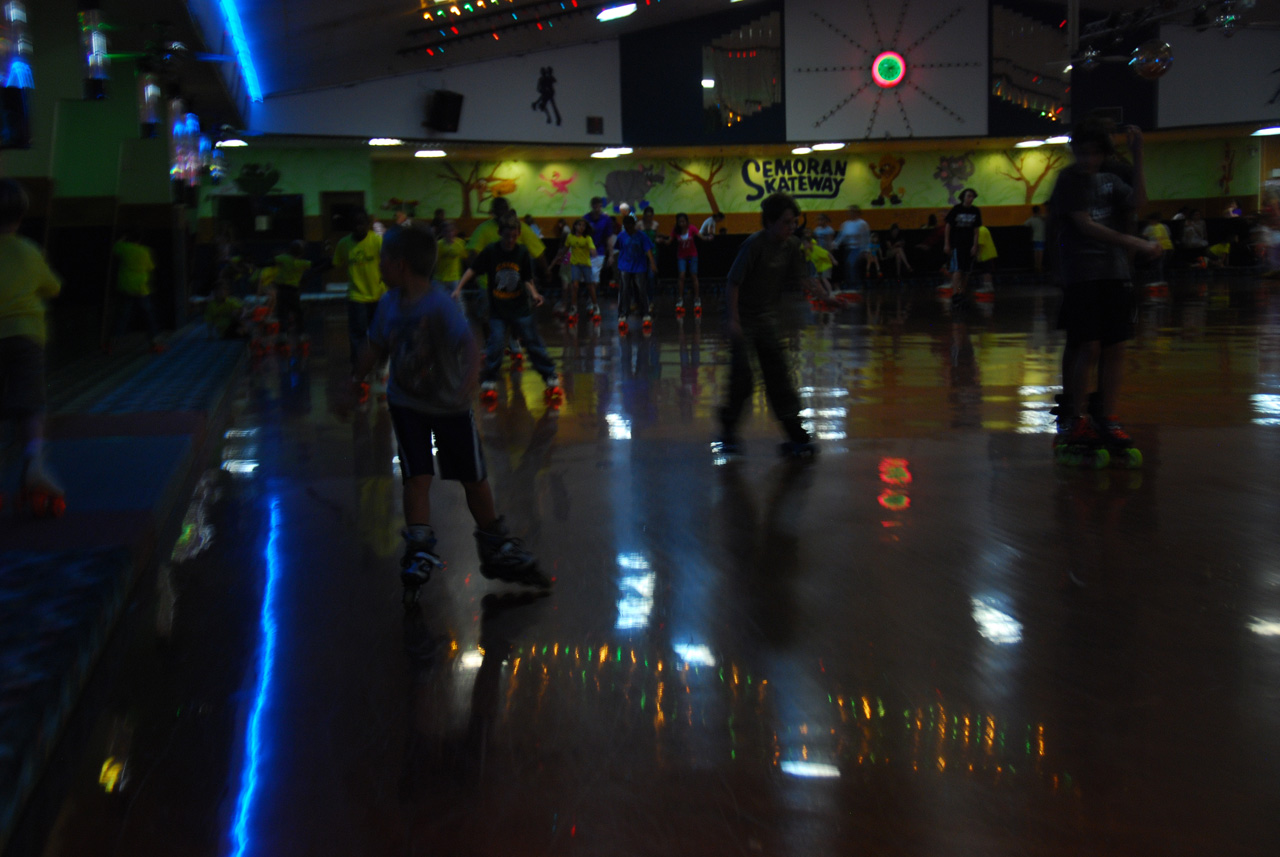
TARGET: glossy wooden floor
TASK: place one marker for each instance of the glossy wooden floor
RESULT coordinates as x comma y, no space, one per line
931,641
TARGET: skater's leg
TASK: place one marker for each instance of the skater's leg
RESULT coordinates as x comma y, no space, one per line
680,283
149,315
1075,378
693,279
480,503
573,293
417,500
493,349
357,327
1110,376
526,330
741,384
779,386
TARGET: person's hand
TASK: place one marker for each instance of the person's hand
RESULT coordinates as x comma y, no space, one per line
654,267
946,248
1133,136
454,294
1151,249
536,297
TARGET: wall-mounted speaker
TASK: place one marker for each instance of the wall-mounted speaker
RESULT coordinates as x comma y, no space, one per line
443,110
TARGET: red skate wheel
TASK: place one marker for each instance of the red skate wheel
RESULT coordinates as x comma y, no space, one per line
57,506
38,504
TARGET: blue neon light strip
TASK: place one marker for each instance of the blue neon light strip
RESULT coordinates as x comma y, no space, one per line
232,16
266,666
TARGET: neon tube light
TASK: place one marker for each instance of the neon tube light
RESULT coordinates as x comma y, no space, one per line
232,16
266,666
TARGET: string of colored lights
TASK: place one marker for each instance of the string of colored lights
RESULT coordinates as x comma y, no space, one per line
453,22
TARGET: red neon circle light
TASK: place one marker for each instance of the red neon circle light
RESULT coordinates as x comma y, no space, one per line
888,69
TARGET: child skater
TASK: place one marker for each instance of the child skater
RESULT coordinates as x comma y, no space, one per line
686,238
581,248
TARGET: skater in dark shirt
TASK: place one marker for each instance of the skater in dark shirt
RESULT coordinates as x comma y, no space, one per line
768,261
434,363
1090,208
961,241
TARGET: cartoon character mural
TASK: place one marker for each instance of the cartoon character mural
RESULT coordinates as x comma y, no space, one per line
887,170
559,186
631,186
484,187
953,171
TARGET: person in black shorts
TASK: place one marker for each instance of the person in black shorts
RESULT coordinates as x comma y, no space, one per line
1091,208
960,243
434,365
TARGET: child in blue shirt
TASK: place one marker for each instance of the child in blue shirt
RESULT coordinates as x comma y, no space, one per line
635,262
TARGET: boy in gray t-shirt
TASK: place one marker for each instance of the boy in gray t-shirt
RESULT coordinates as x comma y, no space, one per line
1090,208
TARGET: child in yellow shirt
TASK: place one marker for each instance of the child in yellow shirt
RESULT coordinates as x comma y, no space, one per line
26,282
820,263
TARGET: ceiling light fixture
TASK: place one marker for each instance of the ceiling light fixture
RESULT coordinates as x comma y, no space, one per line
827,147
429,153
1028,144
708,83
1060,140
801,150
234,143
1266,132
385,141
614,12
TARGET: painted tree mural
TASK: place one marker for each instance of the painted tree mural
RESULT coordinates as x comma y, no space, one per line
707,183
485,187
1052,161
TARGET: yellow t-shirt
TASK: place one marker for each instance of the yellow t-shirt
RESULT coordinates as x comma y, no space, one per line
133,275
580,247
222,314
449,256
26,282
289,270
487,233
820,258
360,259
986,247
1159,233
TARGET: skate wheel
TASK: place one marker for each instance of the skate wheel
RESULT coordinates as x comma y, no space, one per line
57,507
1129,458
489,396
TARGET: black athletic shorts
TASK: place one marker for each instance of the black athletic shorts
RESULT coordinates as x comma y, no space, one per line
21,377
456,440
1098,311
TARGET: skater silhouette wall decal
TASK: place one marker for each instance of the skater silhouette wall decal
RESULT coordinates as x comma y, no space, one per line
547,94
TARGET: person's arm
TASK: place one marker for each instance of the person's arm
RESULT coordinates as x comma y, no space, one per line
946,237
733,285
1092,229
49,285
533,293
977,224
371,354
467,276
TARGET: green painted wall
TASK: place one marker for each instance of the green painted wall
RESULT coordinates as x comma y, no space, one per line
1190,170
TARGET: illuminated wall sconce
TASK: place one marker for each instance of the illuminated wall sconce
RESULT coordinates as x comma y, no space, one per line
93,40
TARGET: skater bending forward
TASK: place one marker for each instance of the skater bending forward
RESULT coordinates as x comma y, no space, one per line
1091,208
26,282
434,361
768,261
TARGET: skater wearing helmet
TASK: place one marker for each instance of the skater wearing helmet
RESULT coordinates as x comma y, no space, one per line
26,282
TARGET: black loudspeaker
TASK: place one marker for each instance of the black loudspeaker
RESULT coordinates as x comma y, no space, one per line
443,109
15,126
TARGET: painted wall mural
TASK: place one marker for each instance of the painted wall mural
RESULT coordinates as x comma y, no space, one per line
889,180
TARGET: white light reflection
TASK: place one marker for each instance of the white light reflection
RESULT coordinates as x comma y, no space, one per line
825,413
240,466
826,392
1265,627
619,427
1267,404
1036,422
994,624
810,769
241,433
698,656
635,599
471,660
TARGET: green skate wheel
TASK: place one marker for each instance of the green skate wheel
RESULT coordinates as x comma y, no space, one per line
1101,458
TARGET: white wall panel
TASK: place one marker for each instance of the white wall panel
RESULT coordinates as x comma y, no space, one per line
829,48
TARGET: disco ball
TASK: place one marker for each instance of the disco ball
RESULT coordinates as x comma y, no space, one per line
1151,59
